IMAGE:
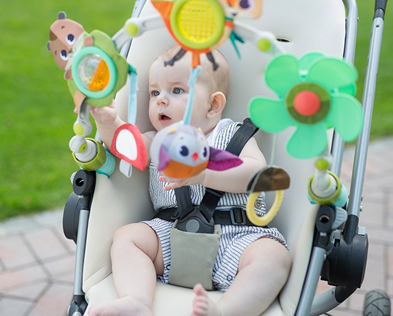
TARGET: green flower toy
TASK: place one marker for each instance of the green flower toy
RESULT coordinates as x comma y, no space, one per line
314,93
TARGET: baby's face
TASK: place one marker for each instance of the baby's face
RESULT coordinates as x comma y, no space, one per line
169,92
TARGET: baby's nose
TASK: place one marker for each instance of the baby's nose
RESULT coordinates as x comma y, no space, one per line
162,100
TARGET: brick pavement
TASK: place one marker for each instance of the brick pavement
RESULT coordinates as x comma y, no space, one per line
37,261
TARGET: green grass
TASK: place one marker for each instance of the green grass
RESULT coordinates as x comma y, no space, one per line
36,109
383,110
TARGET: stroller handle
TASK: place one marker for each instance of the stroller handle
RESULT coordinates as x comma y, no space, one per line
380,8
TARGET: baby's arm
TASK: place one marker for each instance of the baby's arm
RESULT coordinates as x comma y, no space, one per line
108,121
233,180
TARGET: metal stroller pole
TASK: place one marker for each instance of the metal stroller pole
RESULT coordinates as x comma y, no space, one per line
337,295
349,56
368,104
327,300
83,186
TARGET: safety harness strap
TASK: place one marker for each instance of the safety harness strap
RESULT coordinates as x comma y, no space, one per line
212,197
184,204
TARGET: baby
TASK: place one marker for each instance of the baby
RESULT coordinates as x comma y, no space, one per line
252,263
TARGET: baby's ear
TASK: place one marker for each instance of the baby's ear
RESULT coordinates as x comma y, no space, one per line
217,103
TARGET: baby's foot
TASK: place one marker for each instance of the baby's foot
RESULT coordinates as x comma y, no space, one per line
124,306
203,305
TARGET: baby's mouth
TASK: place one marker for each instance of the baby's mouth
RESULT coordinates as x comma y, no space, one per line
163,117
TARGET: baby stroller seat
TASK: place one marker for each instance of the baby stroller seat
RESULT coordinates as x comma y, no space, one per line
301,26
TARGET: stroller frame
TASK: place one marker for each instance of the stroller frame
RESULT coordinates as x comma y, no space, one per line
353,239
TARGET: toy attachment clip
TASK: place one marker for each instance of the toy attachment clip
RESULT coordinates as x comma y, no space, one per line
324,187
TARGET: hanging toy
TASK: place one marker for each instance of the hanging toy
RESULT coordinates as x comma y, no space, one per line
314,93
63,35
181,151
94,70
200,26
127,142
270,178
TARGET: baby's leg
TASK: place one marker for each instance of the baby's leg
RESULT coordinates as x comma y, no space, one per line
136,260
263,270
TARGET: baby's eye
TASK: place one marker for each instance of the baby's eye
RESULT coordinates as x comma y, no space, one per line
154,93
70,39
63,54
177,90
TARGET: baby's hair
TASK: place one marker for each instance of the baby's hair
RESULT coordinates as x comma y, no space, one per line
218,80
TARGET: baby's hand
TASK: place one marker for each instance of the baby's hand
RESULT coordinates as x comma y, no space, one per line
177,183
104,116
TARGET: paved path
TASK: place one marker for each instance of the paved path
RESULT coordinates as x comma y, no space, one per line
37,261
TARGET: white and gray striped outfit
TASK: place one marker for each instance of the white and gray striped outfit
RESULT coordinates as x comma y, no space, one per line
234,239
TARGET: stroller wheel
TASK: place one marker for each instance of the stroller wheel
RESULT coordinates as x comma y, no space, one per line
376,303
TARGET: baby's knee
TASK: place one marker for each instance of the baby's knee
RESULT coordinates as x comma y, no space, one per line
127,235
137,236
280,263
285,261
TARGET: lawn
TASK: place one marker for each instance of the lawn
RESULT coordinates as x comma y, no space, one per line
382,123
36,109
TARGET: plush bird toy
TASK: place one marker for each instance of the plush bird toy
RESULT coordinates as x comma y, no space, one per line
181,151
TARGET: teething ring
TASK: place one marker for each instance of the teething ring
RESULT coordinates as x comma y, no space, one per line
263,221
267,179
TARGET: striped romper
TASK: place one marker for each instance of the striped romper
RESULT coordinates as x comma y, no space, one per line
234,239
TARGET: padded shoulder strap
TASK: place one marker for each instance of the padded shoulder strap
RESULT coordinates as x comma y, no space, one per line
241,137
235,146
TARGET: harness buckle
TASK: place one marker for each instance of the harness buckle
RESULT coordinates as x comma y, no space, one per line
195,222
175,215
238,216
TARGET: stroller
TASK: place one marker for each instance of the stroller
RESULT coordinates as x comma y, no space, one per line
321,241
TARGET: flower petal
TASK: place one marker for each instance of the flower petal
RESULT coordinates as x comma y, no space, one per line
282,73
269,115
332,73
307,59
308,141
346,115
351,89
